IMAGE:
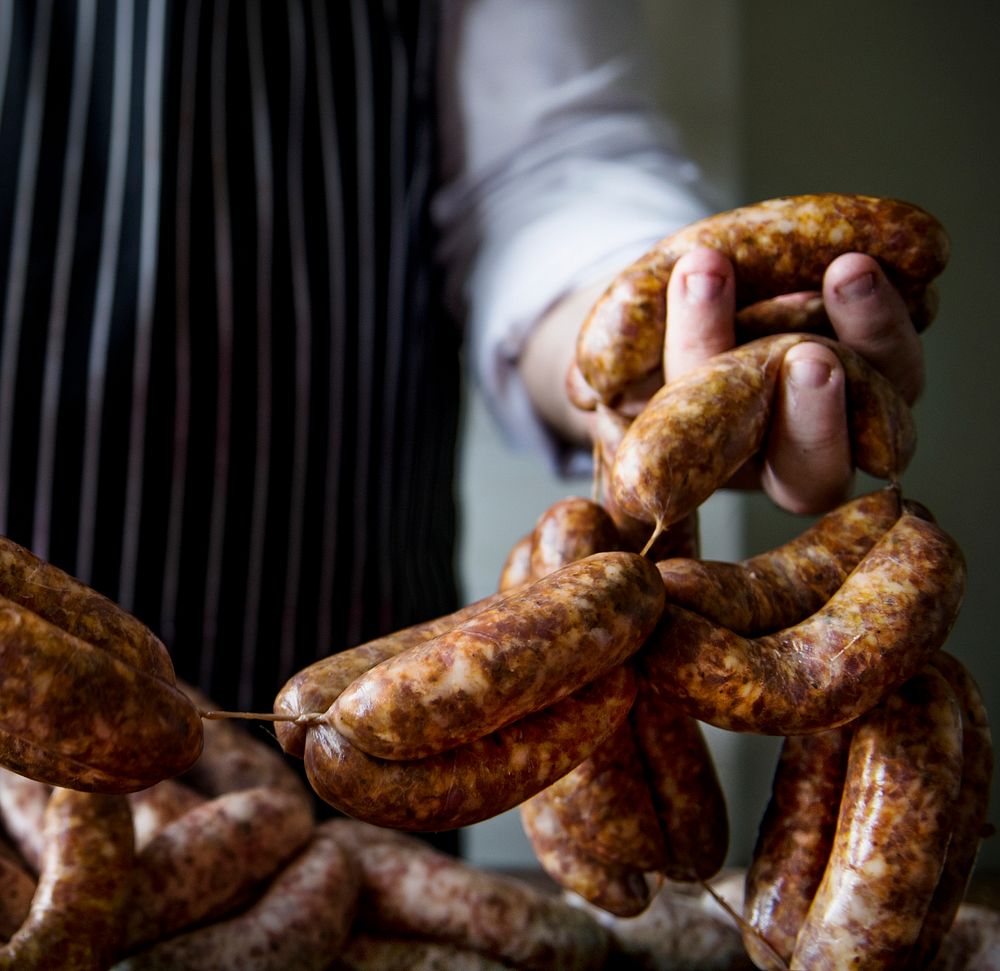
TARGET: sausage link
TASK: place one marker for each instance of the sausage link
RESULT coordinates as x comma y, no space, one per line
77,913
688,799
606,808
73,714
782,586
197,867
903,776
615,888
776,246
409,888
22,809
312,690
970,813
516,569
569,530
475,781
521,656
301,921
883,624
159,805
793,842
696,431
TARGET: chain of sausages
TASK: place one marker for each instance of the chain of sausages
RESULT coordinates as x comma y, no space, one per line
577,692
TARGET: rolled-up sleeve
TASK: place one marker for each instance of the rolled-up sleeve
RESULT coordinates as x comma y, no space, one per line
559,171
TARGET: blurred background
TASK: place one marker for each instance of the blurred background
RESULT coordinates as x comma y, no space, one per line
774,97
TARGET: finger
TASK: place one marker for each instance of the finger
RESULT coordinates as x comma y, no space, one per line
808,467
870,317
701,302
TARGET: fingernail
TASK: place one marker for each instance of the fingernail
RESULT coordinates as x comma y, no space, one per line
703,286
808,374
857,288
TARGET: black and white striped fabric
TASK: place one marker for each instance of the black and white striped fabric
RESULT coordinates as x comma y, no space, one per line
227,391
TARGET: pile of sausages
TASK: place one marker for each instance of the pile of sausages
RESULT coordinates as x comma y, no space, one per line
228,867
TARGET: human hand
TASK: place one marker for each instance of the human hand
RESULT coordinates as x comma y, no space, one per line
806,466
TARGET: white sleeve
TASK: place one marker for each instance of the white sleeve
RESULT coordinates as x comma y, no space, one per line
559,171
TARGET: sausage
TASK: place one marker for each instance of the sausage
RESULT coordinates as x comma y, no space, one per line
368,952
301,921
22,809
311,691
159,805
412,889
526,653
883,624
680,539
17,887
696,431
197,867
687,797
606,808
516,569
782,586
474,781
970,813
776,246
615,888
972,942
903,775
74,714
793,842
569,530
77,913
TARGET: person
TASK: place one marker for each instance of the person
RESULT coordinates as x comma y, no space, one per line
246,250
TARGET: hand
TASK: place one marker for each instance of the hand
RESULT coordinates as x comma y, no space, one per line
807,465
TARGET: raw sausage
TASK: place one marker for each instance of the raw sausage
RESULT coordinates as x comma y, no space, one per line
17,887
777,246
794,842
970,811
903,775
687,797
615,888
301,921
782,586
409,888
77,913
606,808
569,530
526,653
74,714
370,952
155,807
311,691
696,431
883,624
197,867
474,781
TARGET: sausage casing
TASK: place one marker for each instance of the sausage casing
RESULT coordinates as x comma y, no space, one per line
883,624
903,776
474,781
529,651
